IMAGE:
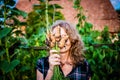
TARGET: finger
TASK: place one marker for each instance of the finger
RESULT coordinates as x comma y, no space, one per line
53,51
54,58
54,62
57,63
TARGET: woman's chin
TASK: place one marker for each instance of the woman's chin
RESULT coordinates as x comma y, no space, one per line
62,51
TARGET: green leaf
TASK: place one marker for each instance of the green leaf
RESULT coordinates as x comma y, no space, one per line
4,32
94,54
19,12
56,6
95,34
24,68
100,57
2,52
105,47
7,67
88,25
83,17
42,0
14,63
4,65
95,77
43,37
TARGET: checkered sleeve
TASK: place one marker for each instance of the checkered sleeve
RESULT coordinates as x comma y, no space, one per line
89,72
40,65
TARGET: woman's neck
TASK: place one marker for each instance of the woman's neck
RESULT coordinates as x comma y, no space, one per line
65,58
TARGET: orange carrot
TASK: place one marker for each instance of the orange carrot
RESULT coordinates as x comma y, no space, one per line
57,32
62,41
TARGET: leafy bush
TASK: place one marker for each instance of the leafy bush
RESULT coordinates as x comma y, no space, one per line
9,28
102,54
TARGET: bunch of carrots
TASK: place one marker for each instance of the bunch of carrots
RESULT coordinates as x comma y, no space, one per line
56,42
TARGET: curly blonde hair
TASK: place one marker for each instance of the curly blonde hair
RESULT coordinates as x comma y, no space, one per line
77,46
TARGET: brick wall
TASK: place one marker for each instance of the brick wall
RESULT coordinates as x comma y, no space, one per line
98,12
101,13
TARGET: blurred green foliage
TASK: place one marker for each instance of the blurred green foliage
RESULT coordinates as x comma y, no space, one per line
9,27
101,52
19,52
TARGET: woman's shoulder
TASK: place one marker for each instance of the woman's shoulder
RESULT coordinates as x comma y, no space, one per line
42,64
84,65
84,62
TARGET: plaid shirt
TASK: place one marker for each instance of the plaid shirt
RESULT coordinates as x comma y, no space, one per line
80,72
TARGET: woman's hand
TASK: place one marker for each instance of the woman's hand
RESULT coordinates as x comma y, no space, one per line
54,59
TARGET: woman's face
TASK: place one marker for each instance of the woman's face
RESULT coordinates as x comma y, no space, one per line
67,45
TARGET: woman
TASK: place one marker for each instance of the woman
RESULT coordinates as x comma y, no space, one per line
71,60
